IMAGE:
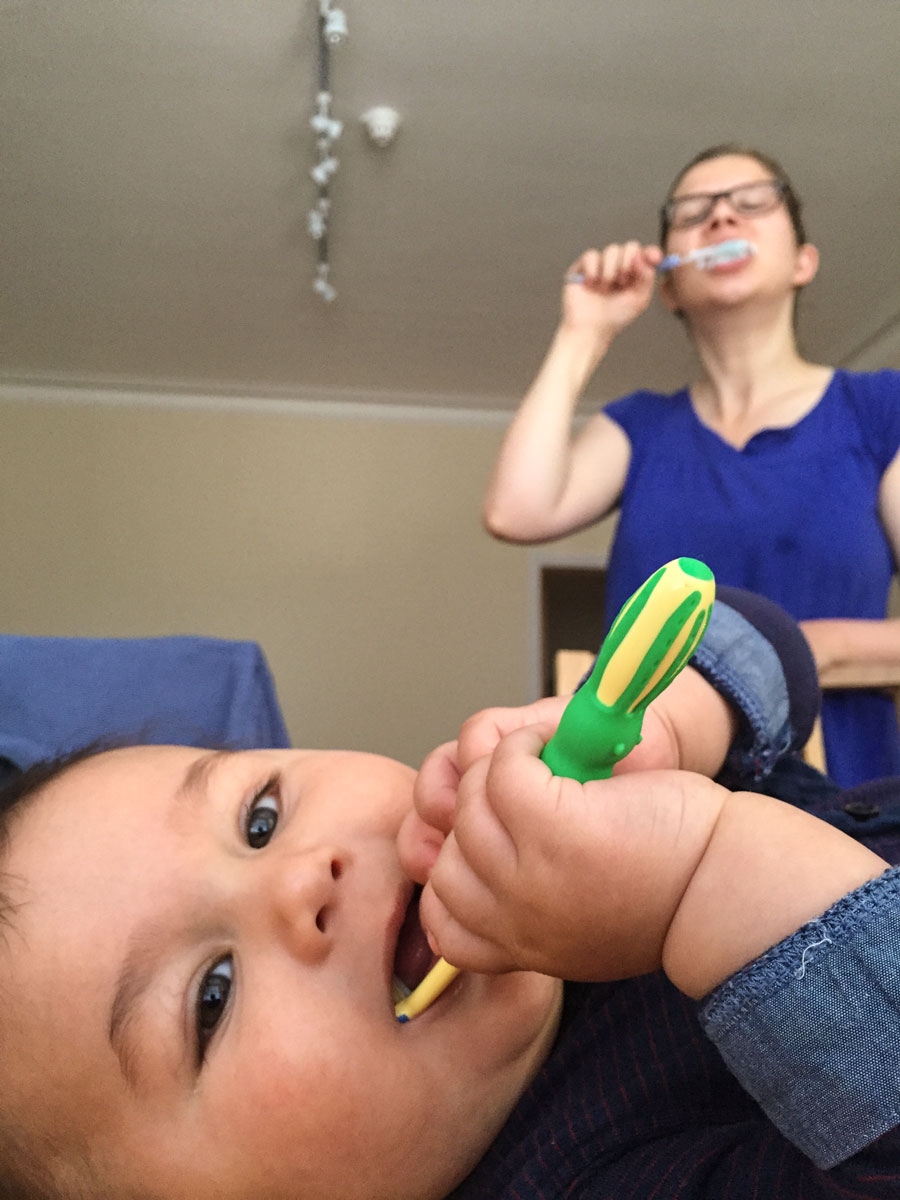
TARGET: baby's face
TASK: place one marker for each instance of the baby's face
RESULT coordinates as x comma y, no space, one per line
197,983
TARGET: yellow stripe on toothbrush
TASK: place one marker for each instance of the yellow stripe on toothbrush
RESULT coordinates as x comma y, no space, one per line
671,589
435,982
685,641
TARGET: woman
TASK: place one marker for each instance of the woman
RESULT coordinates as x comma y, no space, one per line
782,474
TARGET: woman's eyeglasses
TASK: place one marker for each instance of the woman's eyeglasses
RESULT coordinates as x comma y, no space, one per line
748,199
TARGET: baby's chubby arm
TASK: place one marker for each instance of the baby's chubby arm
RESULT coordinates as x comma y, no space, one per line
616,877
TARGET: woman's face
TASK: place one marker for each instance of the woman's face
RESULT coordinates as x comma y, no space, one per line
779,265
197,984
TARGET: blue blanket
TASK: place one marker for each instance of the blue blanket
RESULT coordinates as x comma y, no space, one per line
59,694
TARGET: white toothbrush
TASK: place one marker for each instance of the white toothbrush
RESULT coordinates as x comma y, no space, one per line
703,257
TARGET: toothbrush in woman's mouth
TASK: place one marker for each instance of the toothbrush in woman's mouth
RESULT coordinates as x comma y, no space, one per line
657,630
707,257
704,257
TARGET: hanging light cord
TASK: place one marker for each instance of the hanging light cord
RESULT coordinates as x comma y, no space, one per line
332,30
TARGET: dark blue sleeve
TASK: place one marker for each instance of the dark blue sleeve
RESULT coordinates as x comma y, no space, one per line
636,413
754,654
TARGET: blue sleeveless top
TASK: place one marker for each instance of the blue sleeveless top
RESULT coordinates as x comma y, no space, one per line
793,515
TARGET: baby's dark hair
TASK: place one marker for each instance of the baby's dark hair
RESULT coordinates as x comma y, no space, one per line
26,1161
23,1177
792,201
18,789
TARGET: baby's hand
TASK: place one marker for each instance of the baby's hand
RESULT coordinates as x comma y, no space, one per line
579,881
689,727
434,797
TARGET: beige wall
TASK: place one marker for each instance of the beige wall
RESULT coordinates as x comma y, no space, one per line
350,548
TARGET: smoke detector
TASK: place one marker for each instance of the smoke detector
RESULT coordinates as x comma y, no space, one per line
382,123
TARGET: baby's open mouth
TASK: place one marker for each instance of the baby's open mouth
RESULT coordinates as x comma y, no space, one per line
413,958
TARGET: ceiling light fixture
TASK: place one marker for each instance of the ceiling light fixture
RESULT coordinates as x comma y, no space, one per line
332,30
335,24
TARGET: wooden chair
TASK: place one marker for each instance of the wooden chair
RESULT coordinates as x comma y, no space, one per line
568,668
849,675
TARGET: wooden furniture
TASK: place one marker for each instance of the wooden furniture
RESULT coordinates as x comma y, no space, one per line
569,667
849,675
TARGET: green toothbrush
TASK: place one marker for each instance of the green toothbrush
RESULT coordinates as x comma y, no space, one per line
652,638
657,630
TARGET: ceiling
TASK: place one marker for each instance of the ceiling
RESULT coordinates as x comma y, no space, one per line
155,184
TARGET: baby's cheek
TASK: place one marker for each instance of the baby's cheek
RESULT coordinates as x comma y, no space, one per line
314,1123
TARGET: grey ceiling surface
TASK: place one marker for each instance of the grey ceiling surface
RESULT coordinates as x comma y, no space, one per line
155,183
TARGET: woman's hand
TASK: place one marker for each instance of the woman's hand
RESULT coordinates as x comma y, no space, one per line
617,288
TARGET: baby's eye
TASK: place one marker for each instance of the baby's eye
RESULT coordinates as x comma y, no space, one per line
212,1000
262,817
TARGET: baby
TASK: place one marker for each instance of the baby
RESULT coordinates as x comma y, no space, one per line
200,946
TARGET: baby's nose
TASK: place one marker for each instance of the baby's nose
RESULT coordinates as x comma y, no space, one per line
304,892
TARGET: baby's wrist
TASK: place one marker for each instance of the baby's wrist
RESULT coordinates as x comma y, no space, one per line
767,869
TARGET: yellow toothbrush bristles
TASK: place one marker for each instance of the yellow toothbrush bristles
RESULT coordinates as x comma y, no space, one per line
435,982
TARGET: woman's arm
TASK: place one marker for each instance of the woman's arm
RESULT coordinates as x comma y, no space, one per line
857,650
545,482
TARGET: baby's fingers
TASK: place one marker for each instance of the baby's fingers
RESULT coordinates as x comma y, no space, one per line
418,846
435,788
480,734
522,794
424,828
461,917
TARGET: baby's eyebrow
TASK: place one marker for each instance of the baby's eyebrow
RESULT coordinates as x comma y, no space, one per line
196,778
139,968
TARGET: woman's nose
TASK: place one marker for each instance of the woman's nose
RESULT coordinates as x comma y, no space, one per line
721,211
302,891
